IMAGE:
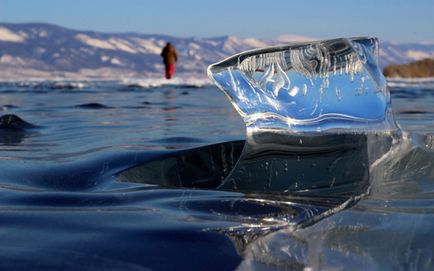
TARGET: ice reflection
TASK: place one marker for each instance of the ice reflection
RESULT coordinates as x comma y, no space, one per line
313,112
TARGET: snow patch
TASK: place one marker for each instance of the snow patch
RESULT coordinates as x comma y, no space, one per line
294,38
40,50
111,44
234,44
212,42
23,34
43,34
94,42
122,45
11,60
115,61
149,46
418,55
87,51
9,36
255,43
231,44
194,46
193,81
150,82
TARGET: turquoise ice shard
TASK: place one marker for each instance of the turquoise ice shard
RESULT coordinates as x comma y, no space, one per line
313,113
329,85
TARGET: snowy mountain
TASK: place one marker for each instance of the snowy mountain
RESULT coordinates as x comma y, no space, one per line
395,53
49,51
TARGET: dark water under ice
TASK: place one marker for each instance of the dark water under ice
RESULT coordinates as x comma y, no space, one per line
81,187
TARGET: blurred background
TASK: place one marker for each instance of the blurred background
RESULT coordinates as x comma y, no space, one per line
113,39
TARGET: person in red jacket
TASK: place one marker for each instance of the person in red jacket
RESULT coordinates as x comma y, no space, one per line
170,57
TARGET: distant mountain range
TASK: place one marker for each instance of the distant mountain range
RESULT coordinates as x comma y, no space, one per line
48,51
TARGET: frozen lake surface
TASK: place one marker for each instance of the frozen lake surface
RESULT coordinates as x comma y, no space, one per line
66,202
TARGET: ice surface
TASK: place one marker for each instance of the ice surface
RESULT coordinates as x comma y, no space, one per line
191,81
411,83
187,81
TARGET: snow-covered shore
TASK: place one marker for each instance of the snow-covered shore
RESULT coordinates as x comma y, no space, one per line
40,51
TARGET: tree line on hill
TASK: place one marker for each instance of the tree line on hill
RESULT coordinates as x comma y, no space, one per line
417,69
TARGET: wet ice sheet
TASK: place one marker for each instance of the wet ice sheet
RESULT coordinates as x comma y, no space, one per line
60,199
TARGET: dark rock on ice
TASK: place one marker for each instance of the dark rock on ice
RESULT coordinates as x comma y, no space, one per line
13,122
92,106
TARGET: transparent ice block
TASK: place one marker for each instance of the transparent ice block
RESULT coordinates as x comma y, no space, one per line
313,113
320,86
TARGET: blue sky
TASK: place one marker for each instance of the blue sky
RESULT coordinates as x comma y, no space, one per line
398,20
